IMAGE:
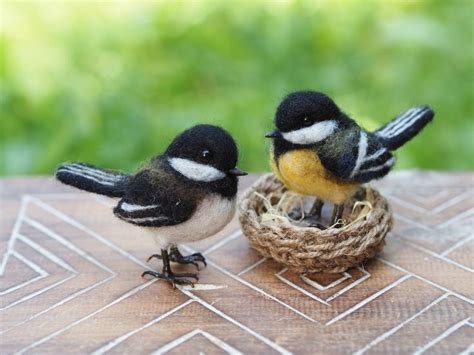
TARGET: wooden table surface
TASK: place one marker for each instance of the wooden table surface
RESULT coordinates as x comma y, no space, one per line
70,281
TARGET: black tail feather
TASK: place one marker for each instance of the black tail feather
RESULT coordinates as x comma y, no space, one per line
404,127
90,178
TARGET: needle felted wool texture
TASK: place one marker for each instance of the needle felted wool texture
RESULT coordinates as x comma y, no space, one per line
90,178
168,189
186,194
318,150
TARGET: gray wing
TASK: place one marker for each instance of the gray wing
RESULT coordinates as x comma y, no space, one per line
151,203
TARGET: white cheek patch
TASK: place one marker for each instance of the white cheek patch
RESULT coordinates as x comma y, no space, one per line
312,134
196,171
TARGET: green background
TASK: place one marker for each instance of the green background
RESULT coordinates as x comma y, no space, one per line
112,83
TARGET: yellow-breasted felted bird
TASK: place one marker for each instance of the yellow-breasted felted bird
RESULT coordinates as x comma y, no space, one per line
320,151
186,194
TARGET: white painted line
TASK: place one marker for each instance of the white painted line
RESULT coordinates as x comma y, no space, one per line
457,245
201,287
253,287
407,204
345,276
67,244
36,268
350,286
464,298
368,299
71,221
457,218
30,264
414,223
223,241
62,330
14,234
469,350
445,334
23,284
438,256
72,247
253,266
88,231
455,200
300,289
434,195
54,258
182,339
63,301
42,274
399,326
33,295
265,340
124,337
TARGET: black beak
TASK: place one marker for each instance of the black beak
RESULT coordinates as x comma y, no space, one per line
273,134
236,172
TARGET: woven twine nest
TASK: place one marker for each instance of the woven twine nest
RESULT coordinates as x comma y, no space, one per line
265,222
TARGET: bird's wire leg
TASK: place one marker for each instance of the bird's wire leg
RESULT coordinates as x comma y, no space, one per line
337,215
168,275
315,214
312,217
176,256
317,208
296,213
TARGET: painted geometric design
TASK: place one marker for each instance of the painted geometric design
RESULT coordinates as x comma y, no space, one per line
70,282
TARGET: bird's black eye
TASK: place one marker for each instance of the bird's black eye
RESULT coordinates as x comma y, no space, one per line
206,154
307,121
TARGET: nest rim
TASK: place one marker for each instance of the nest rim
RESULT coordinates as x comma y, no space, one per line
310,249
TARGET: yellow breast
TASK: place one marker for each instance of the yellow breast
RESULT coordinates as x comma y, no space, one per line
301,171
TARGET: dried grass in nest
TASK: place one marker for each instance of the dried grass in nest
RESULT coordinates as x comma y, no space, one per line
263,215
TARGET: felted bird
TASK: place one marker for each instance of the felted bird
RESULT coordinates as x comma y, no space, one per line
320,151
186,194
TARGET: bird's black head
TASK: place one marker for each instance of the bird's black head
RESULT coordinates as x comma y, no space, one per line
306,117
206,155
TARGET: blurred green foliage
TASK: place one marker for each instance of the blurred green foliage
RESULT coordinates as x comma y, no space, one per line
112,83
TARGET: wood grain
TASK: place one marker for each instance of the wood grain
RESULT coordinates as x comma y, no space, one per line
70,281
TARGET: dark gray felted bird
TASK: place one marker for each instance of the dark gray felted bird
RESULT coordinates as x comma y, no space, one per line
186,194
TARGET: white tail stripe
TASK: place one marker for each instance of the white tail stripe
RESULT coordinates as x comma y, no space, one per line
399,120
93,172
73,170
379,167
312,134
102,182
196,171
361,153
402,124
406,125
127,207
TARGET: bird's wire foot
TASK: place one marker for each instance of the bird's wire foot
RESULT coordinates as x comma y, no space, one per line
156,256
174,279
176,256
189,259
308,219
